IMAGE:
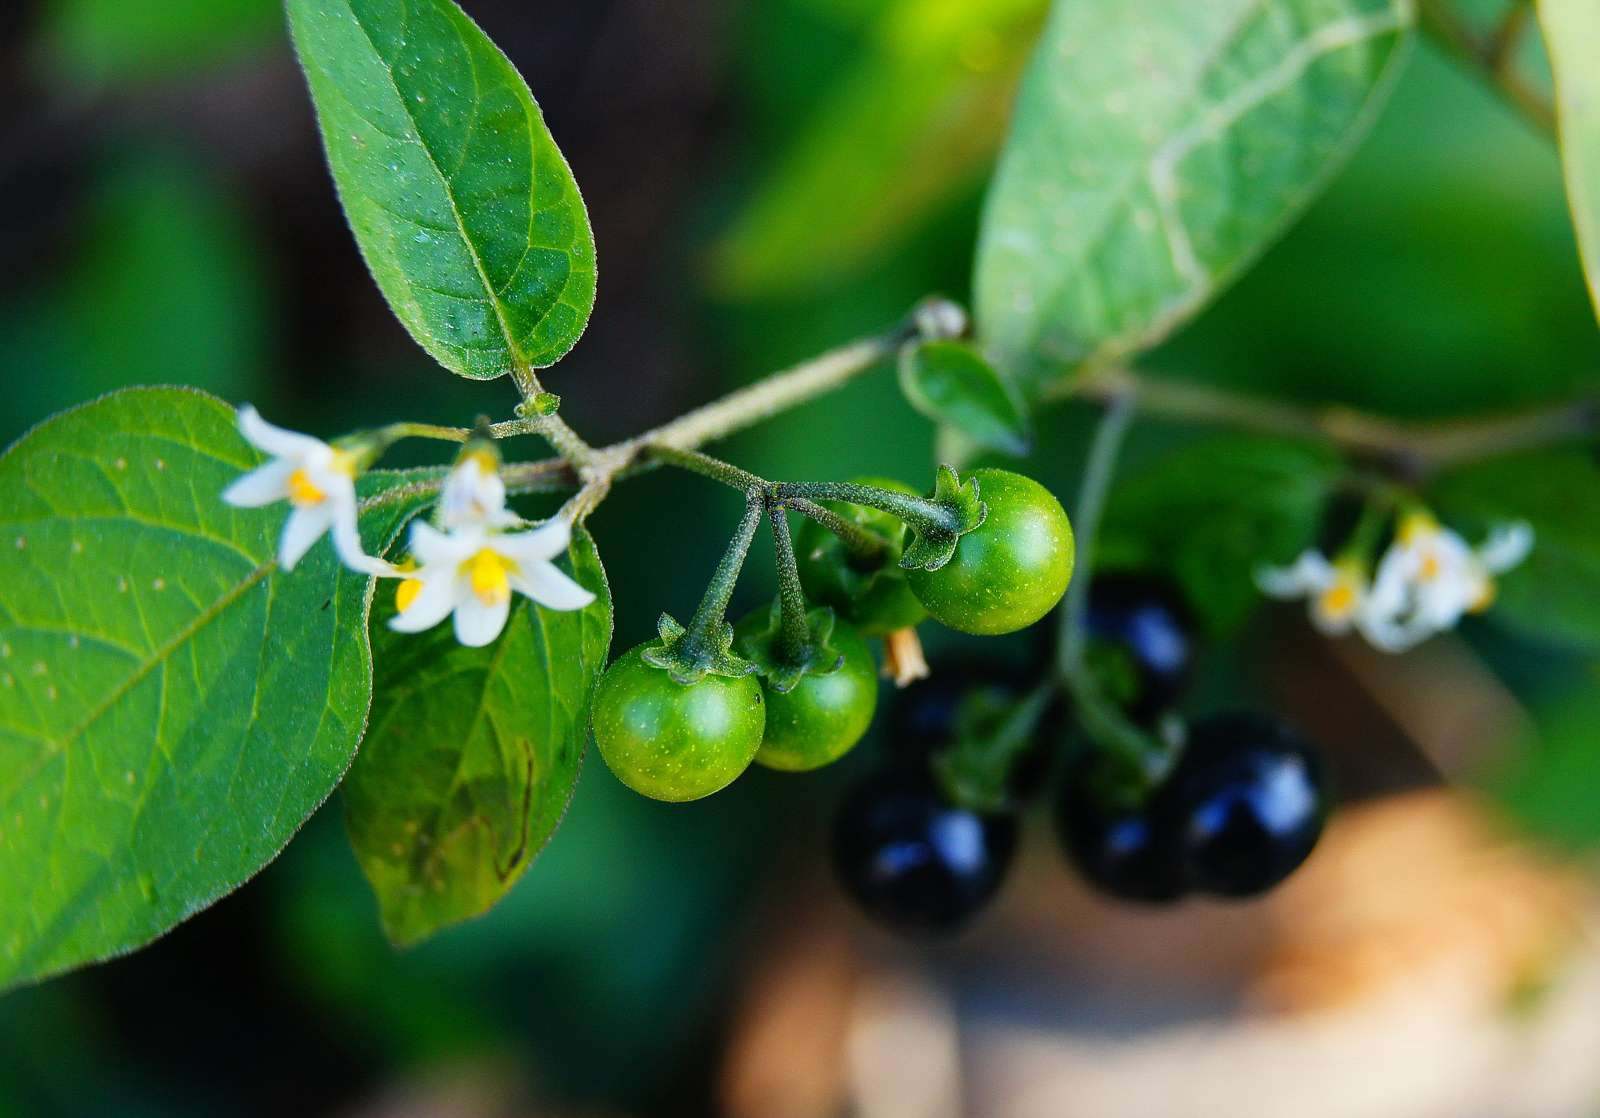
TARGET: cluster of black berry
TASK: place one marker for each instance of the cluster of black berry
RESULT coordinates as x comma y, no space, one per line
1237,807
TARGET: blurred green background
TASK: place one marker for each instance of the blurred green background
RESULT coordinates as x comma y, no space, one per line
168,219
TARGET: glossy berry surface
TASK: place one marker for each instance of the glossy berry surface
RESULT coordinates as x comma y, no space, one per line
1246,802
1009,571
1114,840
872,595
912,861
823,716
675,741
1141,642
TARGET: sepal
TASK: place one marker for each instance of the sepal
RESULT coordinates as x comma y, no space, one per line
686,663
931,547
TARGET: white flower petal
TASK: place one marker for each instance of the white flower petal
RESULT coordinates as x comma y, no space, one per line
304,527
547,585
477,623
1506,546
276,440
1308,574
433,603
430,546
474,494
347,541
541,544
261,486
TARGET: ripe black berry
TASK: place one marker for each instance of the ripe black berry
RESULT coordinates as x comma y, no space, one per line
1114,837
1140,641
1246,804
913,861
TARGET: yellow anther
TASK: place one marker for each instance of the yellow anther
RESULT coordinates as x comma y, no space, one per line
304,491
489,572
1430,567
406,593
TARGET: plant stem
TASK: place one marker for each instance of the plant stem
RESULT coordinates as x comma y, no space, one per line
1411,450
794,644
707,466
555,430
862,543
917,511
1101,718
1493,56
712,612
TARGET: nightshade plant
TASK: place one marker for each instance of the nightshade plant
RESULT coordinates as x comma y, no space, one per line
187,668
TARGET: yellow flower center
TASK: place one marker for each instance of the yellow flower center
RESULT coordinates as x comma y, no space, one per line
1430,566
490,575
1338,600
303,491
406,593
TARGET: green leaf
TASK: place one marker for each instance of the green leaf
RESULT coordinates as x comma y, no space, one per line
461,202
472,755
1157,146
1209,514
172,707
951,384
1572,37
915,120
1555,594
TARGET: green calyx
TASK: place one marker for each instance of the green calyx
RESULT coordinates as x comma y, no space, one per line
781,665
992,733
688,657
932,543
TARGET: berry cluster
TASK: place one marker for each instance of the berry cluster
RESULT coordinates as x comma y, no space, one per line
1237,806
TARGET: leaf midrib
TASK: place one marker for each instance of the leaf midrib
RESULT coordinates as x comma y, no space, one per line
492,295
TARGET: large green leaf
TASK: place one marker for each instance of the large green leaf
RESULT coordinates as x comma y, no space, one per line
172,707
473,755
1555,594
915,121
1209,514
1157,146
1572,35
461,202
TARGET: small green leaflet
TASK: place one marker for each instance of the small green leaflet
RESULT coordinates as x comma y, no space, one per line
461,202
1555,593
472,755
172,707
1156,148
1572,37
1211,513
951,384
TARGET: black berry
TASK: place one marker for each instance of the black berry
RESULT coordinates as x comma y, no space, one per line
1246,804
913,861
1141,643
1112,836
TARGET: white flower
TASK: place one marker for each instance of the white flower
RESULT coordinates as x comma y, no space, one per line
1337,590
471,568
475,494
471,573
1430,577
315,478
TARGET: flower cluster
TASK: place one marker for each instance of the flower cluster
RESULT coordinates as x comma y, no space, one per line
466,567
1426,580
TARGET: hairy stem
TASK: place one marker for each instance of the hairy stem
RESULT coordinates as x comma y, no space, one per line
795,638
707,466
712,612
919,512
862,543
555,430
